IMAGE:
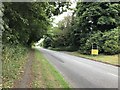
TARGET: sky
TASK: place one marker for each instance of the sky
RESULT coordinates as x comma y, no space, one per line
61,16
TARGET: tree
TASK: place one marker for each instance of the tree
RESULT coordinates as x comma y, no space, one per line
27,22
90,22
92,17
61,33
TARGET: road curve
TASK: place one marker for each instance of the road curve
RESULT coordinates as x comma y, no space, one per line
82,73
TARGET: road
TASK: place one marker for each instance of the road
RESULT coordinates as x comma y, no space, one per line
82,73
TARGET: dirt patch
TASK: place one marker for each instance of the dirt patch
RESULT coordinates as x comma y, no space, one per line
27,73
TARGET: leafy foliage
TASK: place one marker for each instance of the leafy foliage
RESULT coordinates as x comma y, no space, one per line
29,19
107,42
111,45
1,21
25,23
47,42
59,35
91,17
13,60
91,22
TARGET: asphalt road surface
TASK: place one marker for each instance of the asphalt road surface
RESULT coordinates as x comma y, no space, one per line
82,73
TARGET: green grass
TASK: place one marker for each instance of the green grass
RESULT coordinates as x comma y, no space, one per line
45,75
13,60
111,59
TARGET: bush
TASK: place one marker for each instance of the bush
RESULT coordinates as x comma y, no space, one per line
110,45
47,42
107,42
94,38
13,58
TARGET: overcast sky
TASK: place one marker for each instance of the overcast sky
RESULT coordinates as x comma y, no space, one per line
61,16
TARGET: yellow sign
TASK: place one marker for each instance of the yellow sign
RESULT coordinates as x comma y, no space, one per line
94,51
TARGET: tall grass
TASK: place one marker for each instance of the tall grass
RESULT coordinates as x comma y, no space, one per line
13,59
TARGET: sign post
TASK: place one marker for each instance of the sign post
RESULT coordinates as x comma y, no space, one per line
94,50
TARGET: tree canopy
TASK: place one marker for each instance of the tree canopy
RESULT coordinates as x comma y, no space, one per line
27,22
91,22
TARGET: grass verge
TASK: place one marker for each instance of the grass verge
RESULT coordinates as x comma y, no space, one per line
45,75
13,60
110,59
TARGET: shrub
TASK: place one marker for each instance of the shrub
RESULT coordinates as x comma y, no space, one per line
13,58
107,42
47,42
110,45
94,38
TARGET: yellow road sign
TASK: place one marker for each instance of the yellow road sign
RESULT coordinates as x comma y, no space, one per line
94,51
